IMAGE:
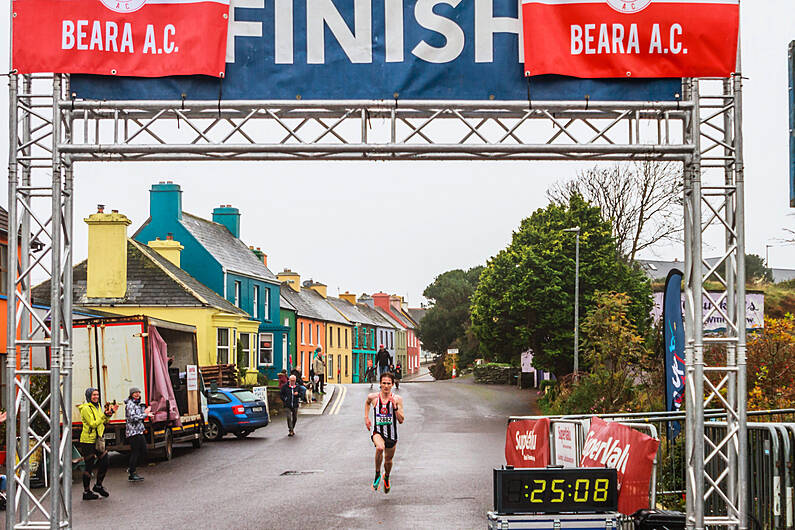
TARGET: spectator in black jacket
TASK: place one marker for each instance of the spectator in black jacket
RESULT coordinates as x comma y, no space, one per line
291,396
383,360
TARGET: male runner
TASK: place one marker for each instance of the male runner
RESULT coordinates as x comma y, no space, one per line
387,413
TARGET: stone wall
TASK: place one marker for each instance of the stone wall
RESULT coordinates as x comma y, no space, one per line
495,374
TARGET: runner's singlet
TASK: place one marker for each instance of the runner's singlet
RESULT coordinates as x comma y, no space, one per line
385,422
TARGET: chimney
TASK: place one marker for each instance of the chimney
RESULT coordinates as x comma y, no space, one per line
169,249
260,255
366,299
229,217
381,300
319,288
349,297
293,279
395,301
107,254
165,201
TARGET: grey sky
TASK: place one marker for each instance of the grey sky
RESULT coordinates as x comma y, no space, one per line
394,226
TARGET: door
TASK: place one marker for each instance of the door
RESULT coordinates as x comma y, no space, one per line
356,359
284,348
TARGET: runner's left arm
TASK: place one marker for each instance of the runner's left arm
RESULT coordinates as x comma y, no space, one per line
399,409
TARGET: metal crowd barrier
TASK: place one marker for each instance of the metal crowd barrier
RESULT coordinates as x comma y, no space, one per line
771,459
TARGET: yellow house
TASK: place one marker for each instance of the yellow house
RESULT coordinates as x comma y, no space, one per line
125,277
339,334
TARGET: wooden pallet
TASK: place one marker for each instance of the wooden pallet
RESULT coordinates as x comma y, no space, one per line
220,374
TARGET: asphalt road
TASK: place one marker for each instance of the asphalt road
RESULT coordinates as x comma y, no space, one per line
453,435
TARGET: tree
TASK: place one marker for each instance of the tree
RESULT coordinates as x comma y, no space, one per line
525,297
613,350
446,323
771,365
755,270
640,199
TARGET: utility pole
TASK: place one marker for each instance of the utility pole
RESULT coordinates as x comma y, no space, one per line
576,231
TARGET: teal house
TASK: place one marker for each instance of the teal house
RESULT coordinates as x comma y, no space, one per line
214,254
289,346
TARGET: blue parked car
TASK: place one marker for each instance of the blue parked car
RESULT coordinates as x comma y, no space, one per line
234,410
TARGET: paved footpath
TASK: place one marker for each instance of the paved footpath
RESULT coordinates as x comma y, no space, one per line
454,434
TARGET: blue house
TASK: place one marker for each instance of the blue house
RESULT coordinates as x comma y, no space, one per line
214,254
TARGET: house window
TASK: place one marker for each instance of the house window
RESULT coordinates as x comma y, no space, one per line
310,333
339,342
266,304
237,293
3,268
302,334
255,311
318,334
346,338
266,349
392,340
245,345
222,346
346,366
356,337
331,367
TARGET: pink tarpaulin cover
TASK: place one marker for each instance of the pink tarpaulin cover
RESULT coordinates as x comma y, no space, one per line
161,394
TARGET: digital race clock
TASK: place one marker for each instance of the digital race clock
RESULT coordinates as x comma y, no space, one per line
555,490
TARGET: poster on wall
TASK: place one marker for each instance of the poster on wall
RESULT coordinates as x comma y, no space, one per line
142,38
754,311
631,38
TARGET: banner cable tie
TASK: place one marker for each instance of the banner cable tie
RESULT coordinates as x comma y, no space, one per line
529,99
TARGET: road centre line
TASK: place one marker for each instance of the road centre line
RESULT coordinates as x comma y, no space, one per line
338,404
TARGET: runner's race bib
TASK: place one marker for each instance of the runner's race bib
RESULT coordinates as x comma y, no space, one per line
383,418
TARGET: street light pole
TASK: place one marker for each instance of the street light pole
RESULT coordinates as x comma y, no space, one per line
576,231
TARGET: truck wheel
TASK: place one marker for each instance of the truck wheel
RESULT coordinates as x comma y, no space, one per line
168,449
214,431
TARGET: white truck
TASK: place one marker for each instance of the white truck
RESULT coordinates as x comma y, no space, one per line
116,353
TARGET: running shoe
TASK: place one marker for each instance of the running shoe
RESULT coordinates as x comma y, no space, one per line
386,485
376,482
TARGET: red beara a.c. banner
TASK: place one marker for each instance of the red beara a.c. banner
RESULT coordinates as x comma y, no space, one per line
142,38
630,38
630,452
527,443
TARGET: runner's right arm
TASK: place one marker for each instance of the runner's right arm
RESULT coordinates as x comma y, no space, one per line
367,421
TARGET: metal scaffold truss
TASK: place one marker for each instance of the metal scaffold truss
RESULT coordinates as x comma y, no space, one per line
50,130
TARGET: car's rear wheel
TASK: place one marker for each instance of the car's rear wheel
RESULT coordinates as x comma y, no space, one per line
243,433
214,431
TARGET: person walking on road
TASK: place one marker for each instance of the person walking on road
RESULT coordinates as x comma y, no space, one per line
369,374
135,413
383,360
398,375
319,365
92,443
291,396
387,413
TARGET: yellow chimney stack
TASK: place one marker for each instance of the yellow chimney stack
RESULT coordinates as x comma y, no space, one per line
349,297
107,254
293,279
169,249
319,288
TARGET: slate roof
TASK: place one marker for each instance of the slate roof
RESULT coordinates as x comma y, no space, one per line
3,220
284,303
389,318
151,281
230,252
416,313
405,317
658,269
351,311
377,317
310,304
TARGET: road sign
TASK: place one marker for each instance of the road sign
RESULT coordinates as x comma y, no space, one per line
398,49
453,351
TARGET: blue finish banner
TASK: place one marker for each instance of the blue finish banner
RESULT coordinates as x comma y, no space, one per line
373,50
674,343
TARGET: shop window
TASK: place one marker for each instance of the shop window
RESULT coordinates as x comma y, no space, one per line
266,349
222,346
331,367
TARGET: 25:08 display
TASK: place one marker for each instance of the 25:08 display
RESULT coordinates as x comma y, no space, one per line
565,491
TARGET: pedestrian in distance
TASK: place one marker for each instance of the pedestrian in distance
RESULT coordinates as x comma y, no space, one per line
135,413
92,442
291,397
387,413
319,365
369,374
382,360
398,375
